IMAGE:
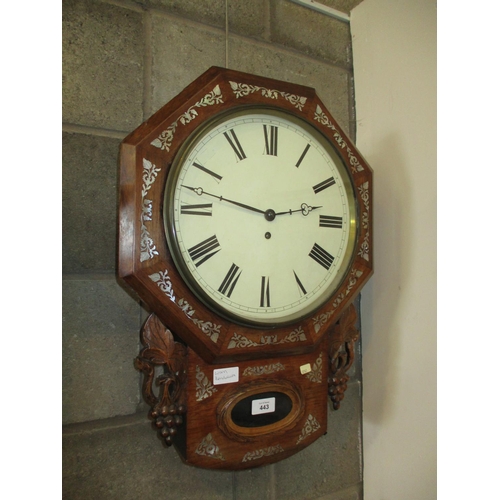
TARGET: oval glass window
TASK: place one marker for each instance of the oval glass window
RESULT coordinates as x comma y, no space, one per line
259,410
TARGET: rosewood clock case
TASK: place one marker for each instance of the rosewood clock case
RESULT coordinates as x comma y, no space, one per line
294,367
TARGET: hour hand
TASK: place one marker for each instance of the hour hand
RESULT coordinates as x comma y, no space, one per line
199,191
304,208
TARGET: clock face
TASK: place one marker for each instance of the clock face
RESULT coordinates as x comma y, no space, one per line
260,217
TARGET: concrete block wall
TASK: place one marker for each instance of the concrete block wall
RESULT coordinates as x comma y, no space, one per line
122,60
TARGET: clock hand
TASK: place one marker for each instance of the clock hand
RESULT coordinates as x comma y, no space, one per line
199,191
304,208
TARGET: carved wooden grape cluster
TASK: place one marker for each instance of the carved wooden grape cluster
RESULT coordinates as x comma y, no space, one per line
167,420
161,351
336,388
343,337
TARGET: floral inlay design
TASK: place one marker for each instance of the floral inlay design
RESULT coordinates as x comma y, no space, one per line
263,370
204,388
315,374
243,89
149,174
266,452
320,320
364,250
309,428
208,448
164,140
207,327
321,117
240,341
162,279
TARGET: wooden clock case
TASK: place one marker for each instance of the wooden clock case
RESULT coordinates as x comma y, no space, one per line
185,342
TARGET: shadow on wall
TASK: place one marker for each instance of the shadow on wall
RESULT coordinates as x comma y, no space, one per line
382,294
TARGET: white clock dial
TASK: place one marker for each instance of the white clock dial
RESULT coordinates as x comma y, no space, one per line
261,217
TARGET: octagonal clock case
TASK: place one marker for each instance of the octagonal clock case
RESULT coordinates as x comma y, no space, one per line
246,230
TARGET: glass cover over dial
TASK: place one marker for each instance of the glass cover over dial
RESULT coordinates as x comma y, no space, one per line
261,217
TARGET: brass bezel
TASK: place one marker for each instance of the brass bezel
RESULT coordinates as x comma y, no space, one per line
168,214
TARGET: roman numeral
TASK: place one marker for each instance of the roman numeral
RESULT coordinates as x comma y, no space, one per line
265,300
302,155
229,282
207,171
321,256
301,286
271,137
330,221
235,144
201,252
201,209
323,185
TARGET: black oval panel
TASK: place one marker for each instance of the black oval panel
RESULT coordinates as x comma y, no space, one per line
242,412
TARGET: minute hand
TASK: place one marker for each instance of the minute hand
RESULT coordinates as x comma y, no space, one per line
199,191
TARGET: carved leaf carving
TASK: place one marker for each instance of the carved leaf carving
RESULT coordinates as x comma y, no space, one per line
341,354
157,340
161,350
344,330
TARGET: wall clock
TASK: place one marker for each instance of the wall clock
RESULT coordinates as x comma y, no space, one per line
246,230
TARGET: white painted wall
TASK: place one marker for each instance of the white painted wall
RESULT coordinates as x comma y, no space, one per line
394,51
